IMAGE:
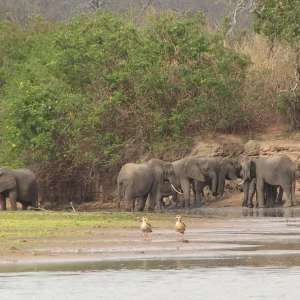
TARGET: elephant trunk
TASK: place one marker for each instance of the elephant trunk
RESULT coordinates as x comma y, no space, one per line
246,192
214,180
221,184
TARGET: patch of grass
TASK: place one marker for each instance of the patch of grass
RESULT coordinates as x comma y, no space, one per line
39,224
248,137
285,134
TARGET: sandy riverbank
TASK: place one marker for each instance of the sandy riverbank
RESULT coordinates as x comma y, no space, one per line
208,238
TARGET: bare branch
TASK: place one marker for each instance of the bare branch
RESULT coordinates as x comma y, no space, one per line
236,7
97,4
145,6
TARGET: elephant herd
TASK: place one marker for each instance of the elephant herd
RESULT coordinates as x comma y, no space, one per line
158,179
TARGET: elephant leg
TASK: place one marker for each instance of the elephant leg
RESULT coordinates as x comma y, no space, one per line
266,191
274,195
252,191
13,200
185,185
129,202
293,194
155,198
2,202
260,192
270,195
142,203
279,196
246,193
25,205
288,201
197,194
159,198
193,186
175,199
162,203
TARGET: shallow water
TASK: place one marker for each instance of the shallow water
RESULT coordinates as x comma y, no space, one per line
183,280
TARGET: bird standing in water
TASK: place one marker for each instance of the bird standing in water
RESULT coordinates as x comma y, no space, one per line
179,227
146,228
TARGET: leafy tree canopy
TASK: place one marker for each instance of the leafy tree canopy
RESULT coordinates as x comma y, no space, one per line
278,19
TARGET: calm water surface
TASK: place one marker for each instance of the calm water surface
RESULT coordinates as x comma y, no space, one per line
153,280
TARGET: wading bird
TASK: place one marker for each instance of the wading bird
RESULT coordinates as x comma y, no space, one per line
146,228
179,227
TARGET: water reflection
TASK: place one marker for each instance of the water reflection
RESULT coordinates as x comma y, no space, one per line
167,264
270,212
237,212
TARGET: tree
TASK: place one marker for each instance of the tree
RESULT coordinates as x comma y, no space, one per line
278,19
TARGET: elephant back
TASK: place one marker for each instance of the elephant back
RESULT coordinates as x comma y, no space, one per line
137,177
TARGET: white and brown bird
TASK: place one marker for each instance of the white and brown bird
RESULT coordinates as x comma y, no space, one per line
179,227
146,228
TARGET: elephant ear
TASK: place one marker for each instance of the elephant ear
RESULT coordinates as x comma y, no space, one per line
168,170
222,177
7,180
158,170
193,170
228,168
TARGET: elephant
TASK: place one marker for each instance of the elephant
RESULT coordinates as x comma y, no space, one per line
270,194
139,180
278,170
19,186
225,168
193,168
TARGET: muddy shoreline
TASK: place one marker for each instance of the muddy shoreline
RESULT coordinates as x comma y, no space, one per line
249,238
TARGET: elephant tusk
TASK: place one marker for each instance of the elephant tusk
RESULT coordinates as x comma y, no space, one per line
176,189
241,182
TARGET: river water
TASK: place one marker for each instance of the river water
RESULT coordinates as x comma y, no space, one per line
248,258
190,282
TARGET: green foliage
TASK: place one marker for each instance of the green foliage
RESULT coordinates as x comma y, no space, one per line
288,105
99,90
278,19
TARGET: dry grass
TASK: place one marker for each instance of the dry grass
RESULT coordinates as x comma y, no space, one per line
278,59
272,71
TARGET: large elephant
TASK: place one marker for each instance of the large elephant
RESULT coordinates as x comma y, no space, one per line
139,180
225,168
19,186
193,168
278,170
